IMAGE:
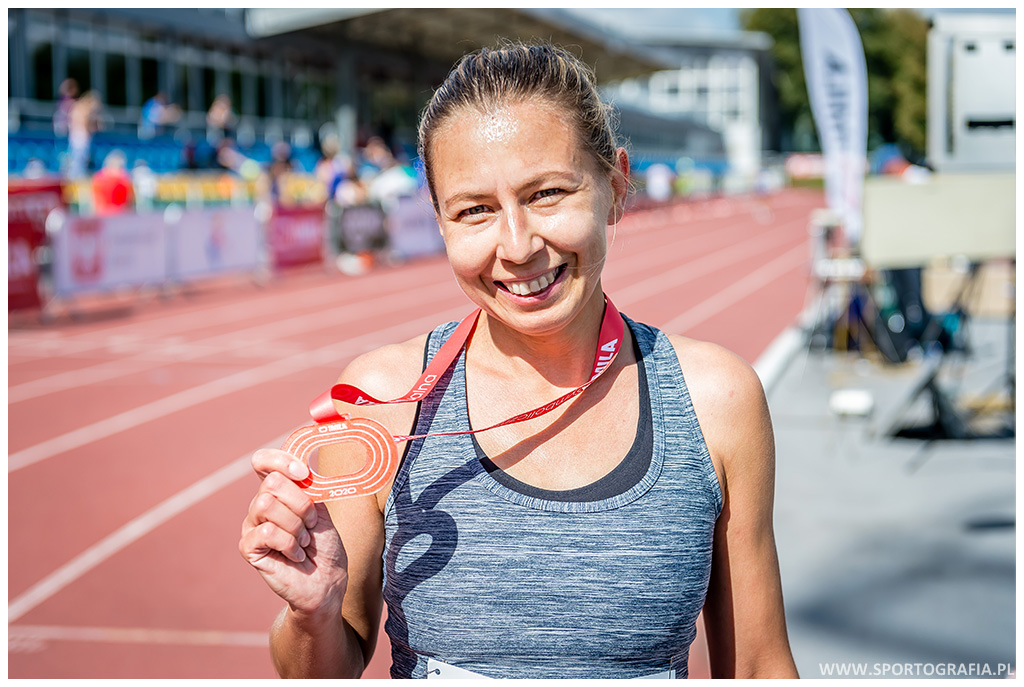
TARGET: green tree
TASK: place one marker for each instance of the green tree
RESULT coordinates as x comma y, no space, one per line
910,80
895,43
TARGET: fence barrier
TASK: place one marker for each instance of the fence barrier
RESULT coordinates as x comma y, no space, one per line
92,254
29,203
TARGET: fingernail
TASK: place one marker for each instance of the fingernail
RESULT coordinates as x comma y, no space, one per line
298,470
301,556
304,539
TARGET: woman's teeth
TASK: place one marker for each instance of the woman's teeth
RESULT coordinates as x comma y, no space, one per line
522,288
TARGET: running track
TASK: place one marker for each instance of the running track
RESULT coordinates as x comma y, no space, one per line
129,437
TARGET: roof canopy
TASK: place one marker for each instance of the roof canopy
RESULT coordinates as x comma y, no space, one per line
444,35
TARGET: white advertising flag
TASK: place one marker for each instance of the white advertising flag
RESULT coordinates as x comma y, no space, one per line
838,89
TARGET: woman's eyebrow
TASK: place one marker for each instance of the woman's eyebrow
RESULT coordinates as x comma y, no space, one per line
537,180
466,196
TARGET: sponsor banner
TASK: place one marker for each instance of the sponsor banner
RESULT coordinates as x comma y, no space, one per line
210,242
837,87
362,228
295,236
801,166
102,253
29,203
412,228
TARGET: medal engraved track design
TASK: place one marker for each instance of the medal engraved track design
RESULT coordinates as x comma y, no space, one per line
380,466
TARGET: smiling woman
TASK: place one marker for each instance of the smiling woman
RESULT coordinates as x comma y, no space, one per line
524,210
580,539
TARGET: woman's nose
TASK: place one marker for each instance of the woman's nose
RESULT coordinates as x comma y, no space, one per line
519,241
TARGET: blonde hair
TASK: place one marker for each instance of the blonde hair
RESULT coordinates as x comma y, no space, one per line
514,73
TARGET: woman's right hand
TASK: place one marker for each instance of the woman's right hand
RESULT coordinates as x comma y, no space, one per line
290,540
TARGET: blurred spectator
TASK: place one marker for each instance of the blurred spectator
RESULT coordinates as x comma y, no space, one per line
374,157
144,183
34,169
280,167
112,186
337,173
68,91
157,113
659,182
229,158
383,177
395,181
83,120
189,159
220,119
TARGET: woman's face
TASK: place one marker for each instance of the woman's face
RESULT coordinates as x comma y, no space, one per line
523,209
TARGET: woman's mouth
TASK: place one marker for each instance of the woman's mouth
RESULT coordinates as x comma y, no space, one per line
533,287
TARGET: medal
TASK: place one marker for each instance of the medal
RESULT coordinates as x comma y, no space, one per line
334,428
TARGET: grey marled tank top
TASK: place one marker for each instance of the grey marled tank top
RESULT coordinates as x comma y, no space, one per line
509,585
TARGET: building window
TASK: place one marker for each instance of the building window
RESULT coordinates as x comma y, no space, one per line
79,68
180,94
42,66
235,85
150,78
117,80
262,96
209,77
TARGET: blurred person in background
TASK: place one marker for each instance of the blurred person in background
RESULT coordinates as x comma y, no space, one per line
373,157
34,169
157,114
337,173
281,166
583,546
83,121
112,188
67,93
144,184
392,181
220,119
660,179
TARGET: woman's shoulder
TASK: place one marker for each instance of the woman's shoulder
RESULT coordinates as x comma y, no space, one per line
709,364
388,371
727,396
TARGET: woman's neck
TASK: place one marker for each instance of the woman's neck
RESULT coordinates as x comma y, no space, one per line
564,357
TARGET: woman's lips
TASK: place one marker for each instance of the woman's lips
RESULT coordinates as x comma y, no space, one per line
532,287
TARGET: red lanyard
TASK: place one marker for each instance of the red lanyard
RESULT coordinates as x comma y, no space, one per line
332,428
608,344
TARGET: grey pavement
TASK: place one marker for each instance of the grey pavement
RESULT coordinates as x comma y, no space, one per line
898,556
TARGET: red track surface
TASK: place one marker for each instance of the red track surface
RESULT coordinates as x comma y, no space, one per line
130,436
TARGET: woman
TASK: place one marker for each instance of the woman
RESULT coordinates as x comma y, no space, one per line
579,543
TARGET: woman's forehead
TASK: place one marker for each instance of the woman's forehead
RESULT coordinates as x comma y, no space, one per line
499,127
501,124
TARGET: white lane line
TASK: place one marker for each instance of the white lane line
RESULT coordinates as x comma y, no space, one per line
30,638
770,365
236,341
658,283
132,531
224,386
738,290
261,305
150,359
241,380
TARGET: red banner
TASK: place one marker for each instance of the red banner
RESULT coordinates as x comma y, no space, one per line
28,204
296,236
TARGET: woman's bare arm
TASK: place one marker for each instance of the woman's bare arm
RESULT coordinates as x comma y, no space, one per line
329,626
743,614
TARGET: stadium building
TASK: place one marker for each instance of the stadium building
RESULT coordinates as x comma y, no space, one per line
719,82
290,75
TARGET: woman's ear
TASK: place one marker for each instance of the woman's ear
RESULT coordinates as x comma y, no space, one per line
620,185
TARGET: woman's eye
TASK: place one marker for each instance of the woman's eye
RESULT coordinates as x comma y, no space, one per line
476,210
547,192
